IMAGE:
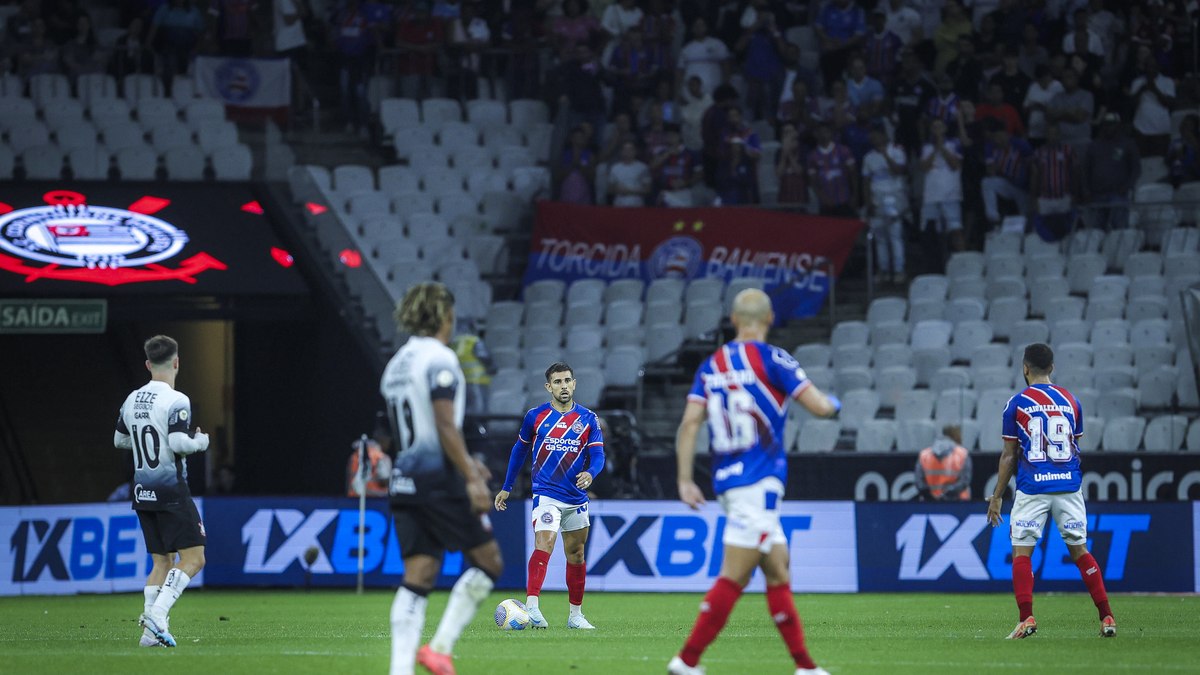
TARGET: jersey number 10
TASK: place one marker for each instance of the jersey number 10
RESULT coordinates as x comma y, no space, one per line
402,422
733,425
146,446
1049,437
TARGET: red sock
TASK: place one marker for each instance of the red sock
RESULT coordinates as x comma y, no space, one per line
714,612
783,611
576,580
537,572
1089,569
1022,573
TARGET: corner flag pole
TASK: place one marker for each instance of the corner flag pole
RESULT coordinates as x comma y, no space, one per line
362,506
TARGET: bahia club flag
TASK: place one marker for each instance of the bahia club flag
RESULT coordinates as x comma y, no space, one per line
245,83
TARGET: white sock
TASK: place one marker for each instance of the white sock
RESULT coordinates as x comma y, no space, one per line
151,593
471,589
408,620
532,601
576,610
177,581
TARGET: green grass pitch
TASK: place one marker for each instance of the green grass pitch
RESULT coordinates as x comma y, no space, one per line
231,632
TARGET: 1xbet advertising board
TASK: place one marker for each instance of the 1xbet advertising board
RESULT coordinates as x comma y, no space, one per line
95,239
919,547
666,546
82,548
263,542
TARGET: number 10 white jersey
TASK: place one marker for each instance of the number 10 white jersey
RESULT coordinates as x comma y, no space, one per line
148,418
423,371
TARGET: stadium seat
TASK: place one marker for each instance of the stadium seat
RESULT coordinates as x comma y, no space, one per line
858,405
184,163
663,341
485,114
1093,432
80,135
581,337
927,361
889,333
1073,355
893,382
813,355
845,356
969,336
887,356
398,113
1143,263
437,111
1117,403
504,316
212,135
1119,245
914,435
1166,433
1114,377
928,287
709,290
701,318
848,333
407,204
1146,332
964,264
1005,287
886,309
974,288
47,88
818,435
925,335
1144,307
1002,243
95,88
964,309
7,162
991,378
1123,434
1066,307
582,315
624,290
87,163
1116,331
990,355
1156,387
925,310
1069,330
1003,266
989,410
1082,269
1108,286
1149,357
412,142
875,436
27,134
1193,436
203,110
509,402
1180,264
137,163
42,162
849,378
526,112
64,113
590,383
954,406
915,404
232,163
1028,332
623,367
1185,391
623,314
950,377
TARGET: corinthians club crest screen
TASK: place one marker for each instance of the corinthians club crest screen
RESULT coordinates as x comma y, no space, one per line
97,239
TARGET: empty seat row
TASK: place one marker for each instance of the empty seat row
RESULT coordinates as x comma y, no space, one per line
185,162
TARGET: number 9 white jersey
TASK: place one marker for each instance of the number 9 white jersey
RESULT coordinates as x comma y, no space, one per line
147,419
422,371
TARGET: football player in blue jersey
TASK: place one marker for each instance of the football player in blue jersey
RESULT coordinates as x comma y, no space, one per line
568,454
743,390
1042,426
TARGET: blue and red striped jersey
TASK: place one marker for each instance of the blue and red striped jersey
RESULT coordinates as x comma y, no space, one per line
830,169
564,444
946,110
1055,164
1047,421
1011,161
745,387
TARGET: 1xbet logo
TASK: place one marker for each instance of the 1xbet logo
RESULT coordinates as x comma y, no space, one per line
78,549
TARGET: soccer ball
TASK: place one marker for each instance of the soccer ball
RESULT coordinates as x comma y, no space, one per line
512,615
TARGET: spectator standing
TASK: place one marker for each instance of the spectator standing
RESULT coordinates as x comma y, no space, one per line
235,25
884,169
838,109
175,32
1184,156
62,20
582,90
1053,183
737,181
419,37
713,127
966,70
470,35
736,127
354,43
520,35
865,92
616,135
1111,168
131,53
789,167
704,57
997,108
881,49
654,135
288,25
37,55
1032,53
955,25
1007,164
943,470
761,45
1012,80
632,69
911,95
659,29
841,27
1072,109
676,171
576,26
696,102
833,173
576,169
1153,94
629,179
81,55
800,109
1037,101
477,366
945,105
941,204
901,20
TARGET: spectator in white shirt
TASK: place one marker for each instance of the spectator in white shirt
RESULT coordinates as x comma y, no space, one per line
705,57
883,170
941,207
1037,99
1154,94
902,20
621,16
629,179
1082,40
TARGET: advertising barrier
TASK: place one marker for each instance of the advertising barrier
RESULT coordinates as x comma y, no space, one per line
666,546
946,548
791,253
82,548
637,546
263,542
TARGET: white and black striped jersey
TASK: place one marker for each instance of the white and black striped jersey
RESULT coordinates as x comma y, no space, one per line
155,422
422,371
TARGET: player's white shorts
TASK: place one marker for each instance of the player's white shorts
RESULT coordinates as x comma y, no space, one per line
1029,512
752,515
551,515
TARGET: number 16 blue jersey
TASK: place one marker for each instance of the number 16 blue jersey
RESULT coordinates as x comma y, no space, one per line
745,387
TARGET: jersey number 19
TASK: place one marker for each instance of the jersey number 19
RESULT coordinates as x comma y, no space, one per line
1050,437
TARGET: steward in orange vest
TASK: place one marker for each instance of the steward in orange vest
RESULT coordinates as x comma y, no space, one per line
943,470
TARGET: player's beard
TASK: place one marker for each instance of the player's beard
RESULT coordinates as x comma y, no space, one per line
564,397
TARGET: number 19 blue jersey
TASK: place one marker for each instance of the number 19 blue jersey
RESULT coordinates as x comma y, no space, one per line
745,386
1047,421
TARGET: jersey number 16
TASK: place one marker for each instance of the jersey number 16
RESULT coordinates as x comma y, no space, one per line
1049,437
